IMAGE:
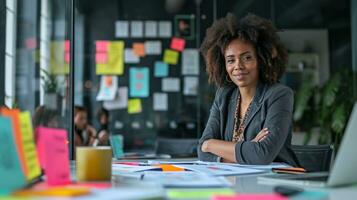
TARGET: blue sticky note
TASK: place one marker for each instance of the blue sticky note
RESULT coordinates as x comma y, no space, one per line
10,167
161,69
139,82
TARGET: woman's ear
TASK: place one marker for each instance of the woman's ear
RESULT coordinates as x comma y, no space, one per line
274,52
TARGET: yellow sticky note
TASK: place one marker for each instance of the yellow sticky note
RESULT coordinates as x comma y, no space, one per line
55,192
134,106
31,158
115,64
171,57
58,65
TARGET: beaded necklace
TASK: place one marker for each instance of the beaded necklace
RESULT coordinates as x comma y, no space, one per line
239,123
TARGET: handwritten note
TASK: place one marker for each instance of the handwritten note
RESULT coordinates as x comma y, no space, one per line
165,29
121,29
171,84
11,173
139,81
115,64
102,46
30,153
153,47
55,154
190,85
130,57
150,29
120,101
161,69
136,29
177,44
190,62
139,49
160,101
101,58
171,57
134,106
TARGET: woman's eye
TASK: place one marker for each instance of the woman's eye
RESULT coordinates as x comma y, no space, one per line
230,61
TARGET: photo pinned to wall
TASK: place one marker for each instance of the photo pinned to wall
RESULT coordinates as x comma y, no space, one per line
139,81
121,29
185,26
108,88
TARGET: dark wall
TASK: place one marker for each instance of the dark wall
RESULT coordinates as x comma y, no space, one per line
2,49
100,17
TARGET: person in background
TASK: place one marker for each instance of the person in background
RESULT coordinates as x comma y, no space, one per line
46,117
84,134
103,132
250,120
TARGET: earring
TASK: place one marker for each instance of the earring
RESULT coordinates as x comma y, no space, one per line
228,79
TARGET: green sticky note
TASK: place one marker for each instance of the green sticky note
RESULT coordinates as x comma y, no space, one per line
12,176
197,193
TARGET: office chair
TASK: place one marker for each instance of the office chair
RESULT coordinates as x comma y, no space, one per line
177,147
313,157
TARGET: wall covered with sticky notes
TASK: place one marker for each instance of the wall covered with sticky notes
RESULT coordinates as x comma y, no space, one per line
151,55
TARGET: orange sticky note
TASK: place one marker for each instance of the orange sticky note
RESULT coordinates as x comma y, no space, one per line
14,115
171,168
139,49
101,58
102,46
177,44
55,192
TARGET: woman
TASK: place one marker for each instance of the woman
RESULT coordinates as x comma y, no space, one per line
85,134
103,132
251,117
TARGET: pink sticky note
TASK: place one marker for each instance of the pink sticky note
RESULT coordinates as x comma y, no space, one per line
177,44
53,148
67,57
67,46
250,197
101,58
102,46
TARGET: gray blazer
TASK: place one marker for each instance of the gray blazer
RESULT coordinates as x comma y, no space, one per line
272,107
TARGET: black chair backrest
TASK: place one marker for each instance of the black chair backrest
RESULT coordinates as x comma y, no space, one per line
313,158
177,147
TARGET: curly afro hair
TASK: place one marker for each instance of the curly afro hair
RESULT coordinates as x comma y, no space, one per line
261,33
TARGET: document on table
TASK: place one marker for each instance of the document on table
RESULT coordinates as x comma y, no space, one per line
260,167
131,168
221,170
185,179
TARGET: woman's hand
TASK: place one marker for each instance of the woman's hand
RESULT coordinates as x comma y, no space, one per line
261,135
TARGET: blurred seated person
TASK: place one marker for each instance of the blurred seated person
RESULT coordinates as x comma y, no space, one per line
103,132
46,117
84,134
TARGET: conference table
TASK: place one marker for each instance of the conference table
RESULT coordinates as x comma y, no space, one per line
242,184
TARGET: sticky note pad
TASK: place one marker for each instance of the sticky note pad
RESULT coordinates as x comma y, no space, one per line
171,57
54,147
115,64
194,193
161,69
67,46
101,57
102,46
14,115
11,173
134,106
251,197
177,44
139,49
30,153
171,168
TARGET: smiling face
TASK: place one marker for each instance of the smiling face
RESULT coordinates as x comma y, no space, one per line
241,63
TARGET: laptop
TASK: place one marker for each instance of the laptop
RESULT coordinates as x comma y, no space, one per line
343,171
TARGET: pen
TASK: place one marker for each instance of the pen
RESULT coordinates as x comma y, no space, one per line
142,176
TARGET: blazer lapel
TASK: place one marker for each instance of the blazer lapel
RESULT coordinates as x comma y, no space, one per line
231,109
256,104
